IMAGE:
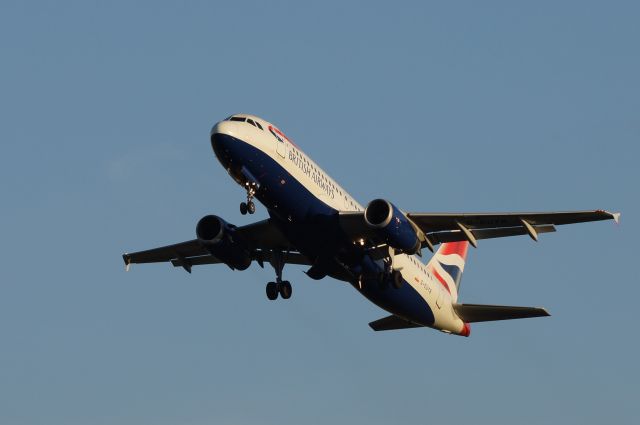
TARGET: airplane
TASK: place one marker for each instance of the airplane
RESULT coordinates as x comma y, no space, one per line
377,249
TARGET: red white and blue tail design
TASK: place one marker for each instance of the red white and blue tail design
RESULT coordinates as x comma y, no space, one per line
447,265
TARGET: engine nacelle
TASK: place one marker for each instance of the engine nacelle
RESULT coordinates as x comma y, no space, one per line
217,236
393,226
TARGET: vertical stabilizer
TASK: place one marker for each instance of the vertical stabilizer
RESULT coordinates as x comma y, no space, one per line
447,265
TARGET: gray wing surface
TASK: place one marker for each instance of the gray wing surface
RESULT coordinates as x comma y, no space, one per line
453,227
471,313
434,222
187,249
392,323
262,238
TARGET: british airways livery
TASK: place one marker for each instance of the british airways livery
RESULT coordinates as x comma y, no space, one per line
314,222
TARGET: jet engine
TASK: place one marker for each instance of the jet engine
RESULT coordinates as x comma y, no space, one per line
219,238
392,225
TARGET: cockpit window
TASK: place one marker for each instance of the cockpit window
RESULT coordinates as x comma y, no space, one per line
245,119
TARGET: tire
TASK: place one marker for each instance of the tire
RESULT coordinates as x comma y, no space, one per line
396,279
272,291
243,208
286,290
251,207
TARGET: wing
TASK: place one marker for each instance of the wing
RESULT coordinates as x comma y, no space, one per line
451,227
262,238
186,249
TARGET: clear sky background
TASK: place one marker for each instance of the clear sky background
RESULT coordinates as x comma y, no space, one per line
105,111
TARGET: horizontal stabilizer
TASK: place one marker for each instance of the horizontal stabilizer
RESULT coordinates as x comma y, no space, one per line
470,313
391,323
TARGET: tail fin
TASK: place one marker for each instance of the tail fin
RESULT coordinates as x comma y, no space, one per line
447,265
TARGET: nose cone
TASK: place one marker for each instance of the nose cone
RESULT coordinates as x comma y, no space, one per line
219,134
222,142
222,127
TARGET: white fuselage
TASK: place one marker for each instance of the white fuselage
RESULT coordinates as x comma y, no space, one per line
280,149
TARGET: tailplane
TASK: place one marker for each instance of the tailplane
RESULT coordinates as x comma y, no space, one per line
470,313
392,323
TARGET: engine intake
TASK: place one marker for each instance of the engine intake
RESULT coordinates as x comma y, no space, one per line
210,229
219,238
392,225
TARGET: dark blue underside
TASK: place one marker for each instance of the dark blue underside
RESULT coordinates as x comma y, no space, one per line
312,226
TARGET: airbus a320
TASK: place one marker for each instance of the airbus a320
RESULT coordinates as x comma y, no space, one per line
377,249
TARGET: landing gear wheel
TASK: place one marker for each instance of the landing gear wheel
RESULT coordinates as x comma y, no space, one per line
244,208
272,291
251,207
396,279
285,290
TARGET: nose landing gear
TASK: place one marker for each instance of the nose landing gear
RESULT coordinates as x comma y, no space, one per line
249,206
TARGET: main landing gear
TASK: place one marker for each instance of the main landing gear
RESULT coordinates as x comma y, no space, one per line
396,279
279,287
383,280
390,275
283,289
249,206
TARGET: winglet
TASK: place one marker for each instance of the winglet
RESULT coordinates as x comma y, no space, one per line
127,262
616,217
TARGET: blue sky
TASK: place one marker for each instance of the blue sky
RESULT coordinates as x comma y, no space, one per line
438,106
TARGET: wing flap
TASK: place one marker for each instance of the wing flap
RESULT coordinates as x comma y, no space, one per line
260,255
195,261
471,313
458,236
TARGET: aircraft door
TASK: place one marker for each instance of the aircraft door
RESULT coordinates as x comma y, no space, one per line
280,148
279,138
